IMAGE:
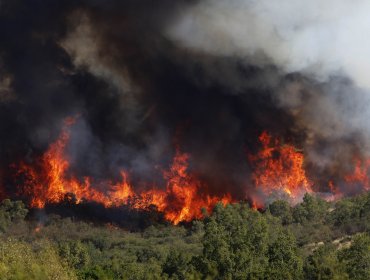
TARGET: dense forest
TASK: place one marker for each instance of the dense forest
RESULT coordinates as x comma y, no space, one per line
312,240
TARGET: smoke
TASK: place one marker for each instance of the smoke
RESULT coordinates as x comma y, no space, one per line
145,77
316,38
319,48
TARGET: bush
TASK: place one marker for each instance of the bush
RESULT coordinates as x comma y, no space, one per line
19,260
357,257
11,211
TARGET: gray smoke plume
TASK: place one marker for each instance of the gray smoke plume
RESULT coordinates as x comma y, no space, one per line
319,47
317,38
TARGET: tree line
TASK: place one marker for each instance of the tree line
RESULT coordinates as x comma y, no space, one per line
314,239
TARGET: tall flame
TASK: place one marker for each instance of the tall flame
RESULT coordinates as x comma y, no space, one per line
184,192
279,169
48,182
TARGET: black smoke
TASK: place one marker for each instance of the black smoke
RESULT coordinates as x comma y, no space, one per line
138,95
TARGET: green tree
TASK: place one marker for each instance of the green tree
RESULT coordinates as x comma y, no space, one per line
344,213
323,264
357,257
281,209
311,209
235,243
284,261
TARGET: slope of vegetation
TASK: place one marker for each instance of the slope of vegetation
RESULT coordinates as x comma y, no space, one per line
313,240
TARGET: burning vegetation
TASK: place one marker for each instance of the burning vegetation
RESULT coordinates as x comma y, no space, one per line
50,180
135,83
278,171
205,139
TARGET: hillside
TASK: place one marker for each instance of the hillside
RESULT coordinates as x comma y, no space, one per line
313,240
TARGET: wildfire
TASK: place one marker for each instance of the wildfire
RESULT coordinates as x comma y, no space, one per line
360,175
357,180
121,193
47,183
183,190
278,169
181,200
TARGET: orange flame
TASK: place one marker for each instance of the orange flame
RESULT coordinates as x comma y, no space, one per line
183,191
279,169
355,181
50,184
122,192
181,200
360,174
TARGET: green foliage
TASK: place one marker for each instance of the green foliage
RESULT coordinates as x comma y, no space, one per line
235,242
20,260
177,266
284,260
357,257
75,253
11,211
352,215
312,208
239,245
324,264
281,209
312,240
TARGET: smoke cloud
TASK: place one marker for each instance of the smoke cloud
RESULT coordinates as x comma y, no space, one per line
145,77
317,38
318,46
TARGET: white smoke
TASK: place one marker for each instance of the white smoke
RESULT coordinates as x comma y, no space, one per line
326,41
315,37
